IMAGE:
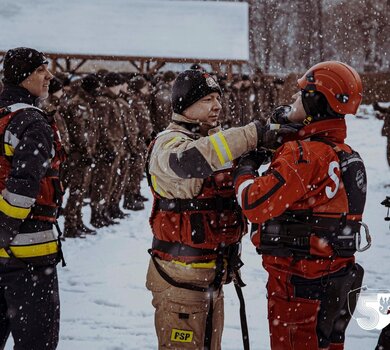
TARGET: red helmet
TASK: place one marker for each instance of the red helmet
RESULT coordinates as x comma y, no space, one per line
338,82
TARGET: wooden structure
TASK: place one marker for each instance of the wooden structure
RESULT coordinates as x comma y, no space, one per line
72,63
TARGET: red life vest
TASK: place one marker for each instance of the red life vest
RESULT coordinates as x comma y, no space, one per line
193,230
50,194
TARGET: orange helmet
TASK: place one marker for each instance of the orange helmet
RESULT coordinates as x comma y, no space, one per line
338,82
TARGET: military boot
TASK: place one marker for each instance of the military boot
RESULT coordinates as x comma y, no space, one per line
98,220
132,203
141,198
73,232
116,213
109,220
86,230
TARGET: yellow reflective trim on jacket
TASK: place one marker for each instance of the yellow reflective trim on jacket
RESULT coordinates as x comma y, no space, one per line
221,147
11,211
8,150
31,251
225,145
155,186
171,142
216,147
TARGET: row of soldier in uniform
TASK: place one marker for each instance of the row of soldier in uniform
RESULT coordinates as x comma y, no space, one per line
106,121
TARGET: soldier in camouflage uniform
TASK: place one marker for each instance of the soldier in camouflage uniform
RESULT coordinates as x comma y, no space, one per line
129,147
109,149
161,102
77,114
133,198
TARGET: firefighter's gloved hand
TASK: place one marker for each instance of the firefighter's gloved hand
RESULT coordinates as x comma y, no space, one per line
9,228
256,158
249,163
280,115
271,136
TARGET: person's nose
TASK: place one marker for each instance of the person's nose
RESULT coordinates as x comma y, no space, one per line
217,105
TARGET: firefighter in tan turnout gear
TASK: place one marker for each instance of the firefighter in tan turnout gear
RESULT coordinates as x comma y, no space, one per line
196,222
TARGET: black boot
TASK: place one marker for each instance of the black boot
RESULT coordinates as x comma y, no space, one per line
87,230
132,203
141,198
109,220
116,213
73,232
98,221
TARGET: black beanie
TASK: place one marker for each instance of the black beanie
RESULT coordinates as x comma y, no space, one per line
90,83
55,85
190,86
20,62
113,79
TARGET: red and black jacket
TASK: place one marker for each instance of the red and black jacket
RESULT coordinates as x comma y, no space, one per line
30,189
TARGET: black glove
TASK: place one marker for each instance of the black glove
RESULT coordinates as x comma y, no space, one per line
255,158
280,115
250,162
271,136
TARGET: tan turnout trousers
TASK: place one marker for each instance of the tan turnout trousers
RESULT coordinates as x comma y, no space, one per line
180,316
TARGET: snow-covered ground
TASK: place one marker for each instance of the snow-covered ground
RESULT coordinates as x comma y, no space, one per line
105,306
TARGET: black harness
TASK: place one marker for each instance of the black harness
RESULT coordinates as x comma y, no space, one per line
289,234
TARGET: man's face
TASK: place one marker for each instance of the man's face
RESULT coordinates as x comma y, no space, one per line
206,110
37,83
297,114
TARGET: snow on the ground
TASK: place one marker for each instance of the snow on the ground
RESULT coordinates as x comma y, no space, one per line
105,306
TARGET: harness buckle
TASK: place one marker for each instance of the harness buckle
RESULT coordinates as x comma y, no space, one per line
358,238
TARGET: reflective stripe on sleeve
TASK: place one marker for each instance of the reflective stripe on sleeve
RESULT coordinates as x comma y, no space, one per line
155,186
13,211
10,139
30,245
241,189
31,251
34,238
17,200
221,147
8,150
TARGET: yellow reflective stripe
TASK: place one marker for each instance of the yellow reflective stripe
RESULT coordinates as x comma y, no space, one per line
11,211
32,250
225,145
216,147
201,265
8,150
155,186
176,138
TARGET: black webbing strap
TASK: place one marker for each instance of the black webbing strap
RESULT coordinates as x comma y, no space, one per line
180,205
177,249
60,253
244,324
44,210
209,323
